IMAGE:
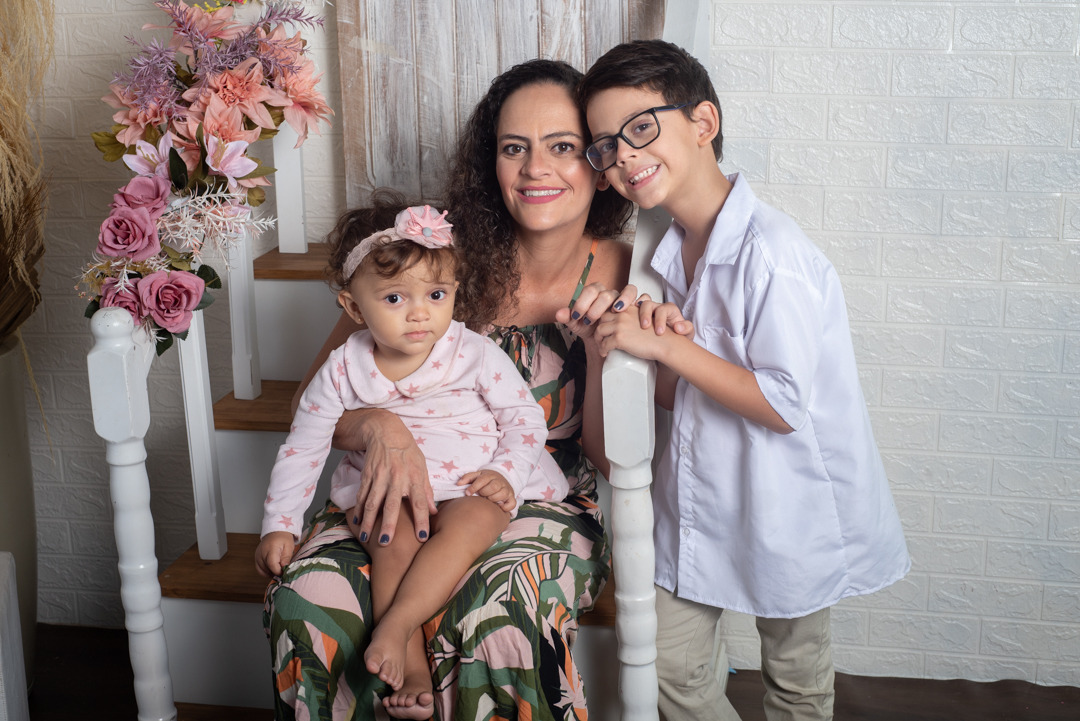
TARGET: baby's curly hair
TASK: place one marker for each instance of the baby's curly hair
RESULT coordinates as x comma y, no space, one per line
483,228
387,260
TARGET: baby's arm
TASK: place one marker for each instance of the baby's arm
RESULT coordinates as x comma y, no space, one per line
274,552
732,386
491,485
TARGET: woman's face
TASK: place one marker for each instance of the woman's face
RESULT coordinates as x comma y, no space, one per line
546,182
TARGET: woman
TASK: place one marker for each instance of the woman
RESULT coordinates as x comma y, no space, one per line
534,233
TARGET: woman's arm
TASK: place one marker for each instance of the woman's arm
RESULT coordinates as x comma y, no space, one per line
394,467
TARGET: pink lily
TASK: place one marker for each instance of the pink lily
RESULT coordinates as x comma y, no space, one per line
229,159
149,160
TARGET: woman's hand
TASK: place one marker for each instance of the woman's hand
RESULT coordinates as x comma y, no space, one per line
594,300
274,552
394,468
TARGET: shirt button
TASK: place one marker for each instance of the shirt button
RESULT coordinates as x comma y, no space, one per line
684,450
685,532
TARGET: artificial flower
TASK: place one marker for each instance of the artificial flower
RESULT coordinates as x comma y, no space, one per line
308,104
424,225
228,159
244,87
171,298
129,232
115,294
151,160
145,191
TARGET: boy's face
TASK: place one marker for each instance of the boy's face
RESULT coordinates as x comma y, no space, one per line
648,176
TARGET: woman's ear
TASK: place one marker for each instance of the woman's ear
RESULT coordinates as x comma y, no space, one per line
707,119
350,306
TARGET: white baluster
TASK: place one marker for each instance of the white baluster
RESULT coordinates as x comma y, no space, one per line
247,376
118,365
202,442
289,191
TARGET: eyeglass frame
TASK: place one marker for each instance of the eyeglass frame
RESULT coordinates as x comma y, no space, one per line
616,136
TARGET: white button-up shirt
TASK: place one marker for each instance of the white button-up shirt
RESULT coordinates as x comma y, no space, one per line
748,519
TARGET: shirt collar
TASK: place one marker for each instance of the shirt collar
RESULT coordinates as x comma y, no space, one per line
726,238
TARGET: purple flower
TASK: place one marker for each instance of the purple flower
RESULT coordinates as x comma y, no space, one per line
113,295
129,232
170,298
150,192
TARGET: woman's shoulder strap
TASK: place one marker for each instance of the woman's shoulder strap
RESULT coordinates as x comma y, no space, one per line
584,280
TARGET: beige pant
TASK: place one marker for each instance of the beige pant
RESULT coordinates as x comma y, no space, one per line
796,664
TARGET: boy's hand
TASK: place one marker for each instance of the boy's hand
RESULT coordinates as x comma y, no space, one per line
632,331
274,552
491,485
662,316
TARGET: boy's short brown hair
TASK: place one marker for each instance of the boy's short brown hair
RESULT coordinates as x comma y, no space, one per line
655,65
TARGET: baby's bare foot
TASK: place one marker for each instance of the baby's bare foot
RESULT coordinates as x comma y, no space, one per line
385,655
406,704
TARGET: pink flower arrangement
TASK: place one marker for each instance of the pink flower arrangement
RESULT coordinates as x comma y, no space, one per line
187,114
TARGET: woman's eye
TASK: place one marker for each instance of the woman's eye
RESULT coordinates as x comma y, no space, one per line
513,149
563,148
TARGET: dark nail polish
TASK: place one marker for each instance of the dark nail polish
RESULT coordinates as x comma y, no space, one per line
575,315
384,539
587,321
363,537
356,520
618,306
423,535
638,304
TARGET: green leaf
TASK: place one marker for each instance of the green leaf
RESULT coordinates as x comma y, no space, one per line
94,307
109,146
209,276
164,342
205,301
256,197
182,336
261,171
177,170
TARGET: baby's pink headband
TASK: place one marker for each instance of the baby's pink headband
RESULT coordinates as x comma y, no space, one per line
421,224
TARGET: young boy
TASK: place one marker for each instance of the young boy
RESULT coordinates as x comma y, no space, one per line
771,498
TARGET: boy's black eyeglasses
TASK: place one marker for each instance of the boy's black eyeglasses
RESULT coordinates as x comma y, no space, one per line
644,128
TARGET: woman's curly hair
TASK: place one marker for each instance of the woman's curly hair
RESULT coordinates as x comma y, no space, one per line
483,228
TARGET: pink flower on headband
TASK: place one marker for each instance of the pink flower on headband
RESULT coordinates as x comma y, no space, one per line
426,227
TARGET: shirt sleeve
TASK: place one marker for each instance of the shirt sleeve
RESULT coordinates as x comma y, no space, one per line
783,341
519,417
301,458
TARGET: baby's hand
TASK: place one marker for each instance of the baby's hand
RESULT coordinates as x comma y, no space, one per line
491,485
274,552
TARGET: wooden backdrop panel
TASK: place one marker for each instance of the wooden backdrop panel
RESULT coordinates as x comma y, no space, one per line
412,70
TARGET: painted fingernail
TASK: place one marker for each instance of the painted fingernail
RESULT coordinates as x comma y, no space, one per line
355,520
363,537
638,304
587,321
384,539
618,306
423,535
575,315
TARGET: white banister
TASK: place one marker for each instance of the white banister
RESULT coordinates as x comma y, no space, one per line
247,376
202,442
118,365
630,438
289,191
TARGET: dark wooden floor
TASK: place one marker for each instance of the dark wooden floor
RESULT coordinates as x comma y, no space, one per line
85,673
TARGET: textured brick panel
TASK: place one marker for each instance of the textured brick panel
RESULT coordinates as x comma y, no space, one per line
945,555
978,669
925,632
950,390
802,25
1003,638
831,73
992,434
880,121
776,118
1000,215
944,304
981,597
802,203
1003,350
828,164
1065,523
982,27
1049,396
1037,561
916,511
890,26
1047,77
936,258
1061,603
1037,479
898,346
850,254
952,76
865,661
946,169
882,211
741,71
1048,309
938,473
907,594
1026,123
749,158
991,517
1058,674
900,430
1044,172
1068,440
850,626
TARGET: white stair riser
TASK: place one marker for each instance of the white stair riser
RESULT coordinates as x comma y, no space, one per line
294,319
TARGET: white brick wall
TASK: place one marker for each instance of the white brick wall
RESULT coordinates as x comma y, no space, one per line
932,149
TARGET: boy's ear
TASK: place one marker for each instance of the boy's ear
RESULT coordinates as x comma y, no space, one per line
350,306
602,183
707,119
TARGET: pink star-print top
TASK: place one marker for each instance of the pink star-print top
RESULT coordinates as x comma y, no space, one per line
467,407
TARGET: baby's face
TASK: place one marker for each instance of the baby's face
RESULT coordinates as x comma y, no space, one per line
406,314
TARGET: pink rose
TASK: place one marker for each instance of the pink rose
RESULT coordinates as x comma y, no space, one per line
126,297
170,298
131,232
145,191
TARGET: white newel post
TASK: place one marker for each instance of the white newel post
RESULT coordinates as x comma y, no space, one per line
247,376
118,365
289,191
202,442
629,435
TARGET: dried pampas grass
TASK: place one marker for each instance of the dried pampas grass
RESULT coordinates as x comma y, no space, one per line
26,42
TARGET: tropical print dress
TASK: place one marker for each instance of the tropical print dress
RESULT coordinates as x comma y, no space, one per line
500,647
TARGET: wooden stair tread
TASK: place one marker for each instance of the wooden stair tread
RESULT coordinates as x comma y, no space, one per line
234,578
205,712
275,265
271,411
